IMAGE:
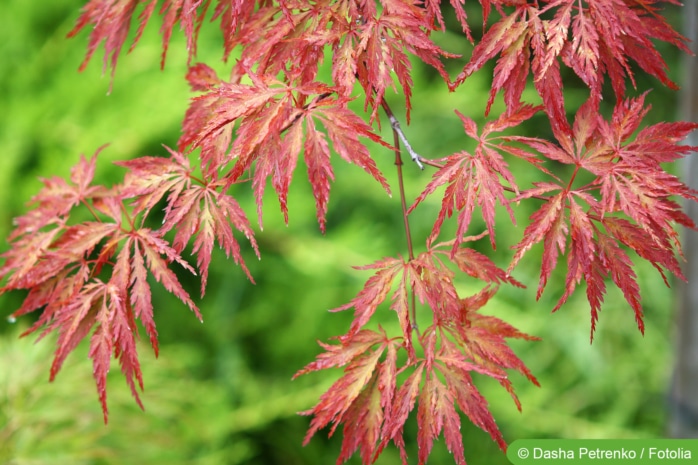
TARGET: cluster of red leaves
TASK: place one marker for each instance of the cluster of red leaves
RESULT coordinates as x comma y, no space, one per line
85,274
276,122
627,204
253,127
368,399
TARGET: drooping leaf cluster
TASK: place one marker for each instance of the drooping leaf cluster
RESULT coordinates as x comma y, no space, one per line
90,277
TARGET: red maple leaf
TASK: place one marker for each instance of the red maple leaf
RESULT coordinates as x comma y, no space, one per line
111,24
368,399
204,212
587,222
594,40
374,408
361,363
63,266
149,179
380,50
476,179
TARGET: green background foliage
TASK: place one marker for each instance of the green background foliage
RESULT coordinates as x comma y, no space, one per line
221,392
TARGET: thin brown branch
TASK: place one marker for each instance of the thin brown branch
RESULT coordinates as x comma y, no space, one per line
403,203
397,130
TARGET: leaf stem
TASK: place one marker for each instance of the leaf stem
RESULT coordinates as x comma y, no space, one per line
124,211
91,209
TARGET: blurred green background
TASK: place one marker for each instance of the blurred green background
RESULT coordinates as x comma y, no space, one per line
221,392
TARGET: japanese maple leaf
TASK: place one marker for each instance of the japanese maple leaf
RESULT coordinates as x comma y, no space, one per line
374,292
42,244
629,180
58,197
514,38
382,40
594,40
151,178
564,226
472,263
61,279
371,403
293,32
141,251
436,412
636,183
345,397
364,420
108,307
208,214
343,128
273,118
277,156
222,105
429,283
479,344
111,24
474,179
606,36
403,403
373,407
214,147
130,295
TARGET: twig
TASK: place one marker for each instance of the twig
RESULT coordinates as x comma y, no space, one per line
395,124
397,136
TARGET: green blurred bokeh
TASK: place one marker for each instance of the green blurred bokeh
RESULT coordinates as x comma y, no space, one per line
221,392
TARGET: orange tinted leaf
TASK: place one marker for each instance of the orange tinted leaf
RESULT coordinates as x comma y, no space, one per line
473,404
484,342
436,412
362,424
320,173
374,291
542,222
581,262
205,213
616,262
73,322
152,247
350,348
343,129
337,400
111,24
497,38
399,410
150,178
479,266
141,297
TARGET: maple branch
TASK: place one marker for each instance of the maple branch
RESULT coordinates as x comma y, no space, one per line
397,130
403,201
403,204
